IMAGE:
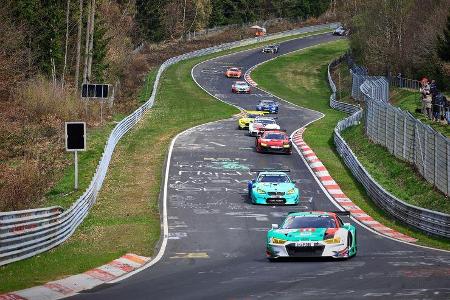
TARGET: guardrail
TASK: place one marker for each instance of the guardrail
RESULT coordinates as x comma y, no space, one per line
29,232
338,105
429,221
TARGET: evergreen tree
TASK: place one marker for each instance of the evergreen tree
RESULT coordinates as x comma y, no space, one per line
149,19
443,43
100,50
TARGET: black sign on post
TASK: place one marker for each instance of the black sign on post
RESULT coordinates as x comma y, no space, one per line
75,136
76,141
94,90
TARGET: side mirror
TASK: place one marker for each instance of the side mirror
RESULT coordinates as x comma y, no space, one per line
274,226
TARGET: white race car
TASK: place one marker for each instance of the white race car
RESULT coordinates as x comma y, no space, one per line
241,87
260,123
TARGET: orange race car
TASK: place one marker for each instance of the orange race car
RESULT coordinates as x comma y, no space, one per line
233,72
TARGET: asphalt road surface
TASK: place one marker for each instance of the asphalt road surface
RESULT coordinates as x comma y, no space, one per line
216,245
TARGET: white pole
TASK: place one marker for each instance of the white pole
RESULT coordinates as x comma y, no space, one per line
76,170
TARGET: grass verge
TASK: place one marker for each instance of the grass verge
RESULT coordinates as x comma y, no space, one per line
126,215
396,176
301,78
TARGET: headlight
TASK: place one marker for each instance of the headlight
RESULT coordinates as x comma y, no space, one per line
286,145
291,191
260,191
264,144
335,240
277,241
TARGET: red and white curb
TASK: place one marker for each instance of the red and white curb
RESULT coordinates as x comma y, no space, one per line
249,79
71,285
338,195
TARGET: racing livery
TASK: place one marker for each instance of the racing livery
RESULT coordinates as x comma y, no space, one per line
268,105
249,116
270,49
260,123
312,234
273,187
240,87
233,72
273,140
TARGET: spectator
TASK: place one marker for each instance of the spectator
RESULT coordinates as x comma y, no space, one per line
436,106
447,108
399,78
433,88
428,105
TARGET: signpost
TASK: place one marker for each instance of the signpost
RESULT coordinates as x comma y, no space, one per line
99,91
75,141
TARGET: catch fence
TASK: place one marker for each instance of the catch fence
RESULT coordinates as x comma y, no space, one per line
405,137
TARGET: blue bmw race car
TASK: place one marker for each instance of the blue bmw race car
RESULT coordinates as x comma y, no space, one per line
273,187
268,105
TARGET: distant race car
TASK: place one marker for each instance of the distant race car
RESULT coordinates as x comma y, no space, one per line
268,105
312,234
270,140
341,31
241,87
248,117
260,123
273,187
233,72
270,49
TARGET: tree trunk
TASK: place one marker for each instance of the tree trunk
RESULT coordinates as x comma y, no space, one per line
67,43
86,46
91,40
80,28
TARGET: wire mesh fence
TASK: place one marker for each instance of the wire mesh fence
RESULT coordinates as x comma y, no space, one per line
406,138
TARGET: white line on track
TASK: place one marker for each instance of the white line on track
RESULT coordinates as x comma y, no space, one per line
221,145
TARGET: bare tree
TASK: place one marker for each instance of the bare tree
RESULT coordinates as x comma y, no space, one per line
86,47
91,40
77,64
67,43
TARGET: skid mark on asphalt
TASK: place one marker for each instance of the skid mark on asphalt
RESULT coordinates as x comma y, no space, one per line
184,255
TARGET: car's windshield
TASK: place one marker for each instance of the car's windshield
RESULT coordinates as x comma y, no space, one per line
294,222
266,102
274,136
274,178
241,83
234,69
252,116
264,121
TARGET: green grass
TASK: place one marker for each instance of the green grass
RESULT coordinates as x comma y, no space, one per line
62,193
409,100
395,175
126,215
301,78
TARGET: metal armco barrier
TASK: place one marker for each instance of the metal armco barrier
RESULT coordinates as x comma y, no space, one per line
29,232
383,122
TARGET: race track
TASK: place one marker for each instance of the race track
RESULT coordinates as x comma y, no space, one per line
216,244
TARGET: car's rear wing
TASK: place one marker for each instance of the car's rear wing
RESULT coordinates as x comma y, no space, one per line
342,213
262,130
339,213
269,170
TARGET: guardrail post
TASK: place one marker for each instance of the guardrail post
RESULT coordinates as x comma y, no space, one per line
395,134
448,166
404,135
435,160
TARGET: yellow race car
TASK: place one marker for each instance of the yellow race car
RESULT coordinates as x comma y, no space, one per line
248,117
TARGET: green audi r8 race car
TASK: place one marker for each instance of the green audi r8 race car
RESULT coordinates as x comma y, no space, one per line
312,234
273,187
